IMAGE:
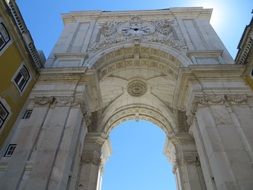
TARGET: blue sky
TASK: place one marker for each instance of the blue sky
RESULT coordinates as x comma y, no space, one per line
137,161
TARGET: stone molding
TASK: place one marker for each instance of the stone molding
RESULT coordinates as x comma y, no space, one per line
185,12
102,55
59,101
137,112
244,52
214,99
148,57
180,150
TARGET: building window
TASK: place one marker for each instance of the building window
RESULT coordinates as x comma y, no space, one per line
3,114
21,78
10,150
27,114
4,36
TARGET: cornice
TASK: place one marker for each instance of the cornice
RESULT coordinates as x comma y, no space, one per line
245,45
71,55
198,74
68,73
185,12
209,53
245,51
24,33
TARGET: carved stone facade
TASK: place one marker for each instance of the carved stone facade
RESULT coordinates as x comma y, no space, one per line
165,66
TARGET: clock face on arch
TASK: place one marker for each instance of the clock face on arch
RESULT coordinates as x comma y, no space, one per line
136,29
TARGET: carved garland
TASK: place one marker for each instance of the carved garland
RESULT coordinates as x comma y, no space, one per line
57,101
226,99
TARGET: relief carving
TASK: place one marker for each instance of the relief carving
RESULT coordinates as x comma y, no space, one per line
206,100
57,101
137,88
108,29
236,99
162,31
64,101
164,26
41,101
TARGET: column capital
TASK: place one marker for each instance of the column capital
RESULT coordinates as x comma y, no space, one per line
97,149
191,157
207,99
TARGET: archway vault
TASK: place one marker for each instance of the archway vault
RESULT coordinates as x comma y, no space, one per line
137,81
96,58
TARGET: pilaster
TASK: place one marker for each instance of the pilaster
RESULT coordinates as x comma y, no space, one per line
95,153
220,126
47,145
182,153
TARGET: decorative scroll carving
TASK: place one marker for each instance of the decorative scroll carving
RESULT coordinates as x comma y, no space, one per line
108,29
161,31
165,26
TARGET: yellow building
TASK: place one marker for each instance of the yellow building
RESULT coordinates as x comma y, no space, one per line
19,64
245,53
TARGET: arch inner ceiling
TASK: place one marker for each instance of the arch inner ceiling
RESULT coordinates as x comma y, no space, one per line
136,77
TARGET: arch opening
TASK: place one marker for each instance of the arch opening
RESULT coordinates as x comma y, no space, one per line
138,112
138,158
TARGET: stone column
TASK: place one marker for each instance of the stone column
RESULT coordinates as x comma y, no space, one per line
96,151
222,128
208,176
182,152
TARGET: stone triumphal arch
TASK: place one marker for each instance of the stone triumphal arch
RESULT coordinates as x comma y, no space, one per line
165,66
